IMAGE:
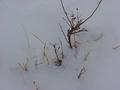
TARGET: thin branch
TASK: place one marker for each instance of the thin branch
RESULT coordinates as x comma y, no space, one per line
81,72
54,46
66,21
61,48
77,14
63,32
65,12
59,61
92,13
26,34
80,31
38,39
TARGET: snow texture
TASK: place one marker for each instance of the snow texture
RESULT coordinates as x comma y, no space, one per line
98,49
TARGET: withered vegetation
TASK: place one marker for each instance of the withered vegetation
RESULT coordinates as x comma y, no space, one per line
74,22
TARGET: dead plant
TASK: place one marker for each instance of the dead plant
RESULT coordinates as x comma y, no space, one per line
58,61
24,66
74,22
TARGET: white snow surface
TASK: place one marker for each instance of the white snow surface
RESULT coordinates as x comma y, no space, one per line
20,18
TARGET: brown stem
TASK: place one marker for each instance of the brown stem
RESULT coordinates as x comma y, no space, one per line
92,13
65,13
55,51
69,38
58,62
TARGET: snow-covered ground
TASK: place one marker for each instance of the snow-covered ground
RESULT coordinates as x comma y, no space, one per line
20,18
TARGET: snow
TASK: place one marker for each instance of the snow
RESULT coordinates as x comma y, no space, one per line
19,19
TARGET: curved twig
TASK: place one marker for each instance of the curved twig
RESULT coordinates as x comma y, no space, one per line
92,13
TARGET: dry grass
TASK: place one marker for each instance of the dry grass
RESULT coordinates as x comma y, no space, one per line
24,66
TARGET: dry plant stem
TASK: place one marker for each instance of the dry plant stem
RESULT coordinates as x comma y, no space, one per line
74,27
24,66
55,51
58,62
66,21
27,36
63,33
81,72
61,48
69,38
92,12
65,13
38,39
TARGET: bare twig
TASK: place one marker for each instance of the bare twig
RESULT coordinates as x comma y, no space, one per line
92,13
66,21
61,48
38,38
58,62
81,72
63,32
54,46
77,14
65,12
26,34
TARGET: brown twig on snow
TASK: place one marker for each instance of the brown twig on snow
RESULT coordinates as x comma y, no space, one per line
56,48
92,13
59,61
74,25
65,13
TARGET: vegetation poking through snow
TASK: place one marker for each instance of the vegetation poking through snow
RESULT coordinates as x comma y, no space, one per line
74,22
24,66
